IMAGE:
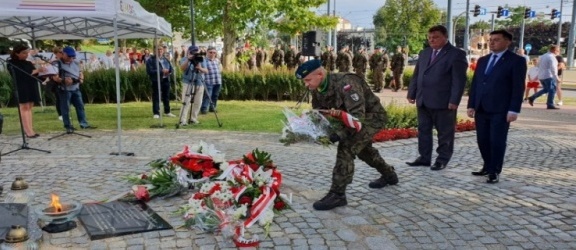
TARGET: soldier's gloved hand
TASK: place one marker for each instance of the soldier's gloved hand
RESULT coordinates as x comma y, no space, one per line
334,138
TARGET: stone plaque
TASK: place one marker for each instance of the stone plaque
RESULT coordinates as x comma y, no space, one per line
12,214
104,220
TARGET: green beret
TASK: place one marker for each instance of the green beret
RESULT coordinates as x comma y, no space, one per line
307,67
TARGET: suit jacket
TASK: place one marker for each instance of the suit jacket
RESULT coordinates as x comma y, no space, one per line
438,83
502,89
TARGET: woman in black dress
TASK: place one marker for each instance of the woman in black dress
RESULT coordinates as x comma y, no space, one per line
27,86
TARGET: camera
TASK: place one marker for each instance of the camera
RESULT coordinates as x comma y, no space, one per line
197,57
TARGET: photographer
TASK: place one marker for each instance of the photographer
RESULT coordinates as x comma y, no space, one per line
69,80
194,68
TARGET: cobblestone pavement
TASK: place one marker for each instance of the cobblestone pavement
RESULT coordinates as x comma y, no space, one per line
533,206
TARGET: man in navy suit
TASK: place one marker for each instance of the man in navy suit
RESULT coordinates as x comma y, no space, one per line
495,101
436,87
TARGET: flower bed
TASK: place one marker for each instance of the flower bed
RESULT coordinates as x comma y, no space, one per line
406,133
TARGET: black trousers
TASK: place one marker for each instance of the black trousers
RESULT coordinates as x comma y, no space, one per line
444,121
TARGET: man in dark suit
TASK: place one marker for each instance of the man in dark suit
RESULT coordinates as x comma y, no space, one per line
436,87
495,101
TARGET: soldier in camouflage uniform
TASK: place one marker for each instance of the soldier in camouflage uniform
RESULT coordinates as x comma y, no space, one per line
344,60
277,57
336,92
329,59
260,57
360,63
290,58
378,65
397,66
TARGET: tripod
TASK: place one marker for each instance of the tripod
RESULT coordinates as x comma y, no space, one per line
24,145
190,93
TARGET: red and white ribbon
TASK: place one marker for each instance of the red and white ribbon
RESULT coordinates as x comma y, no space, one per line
350,121
264,202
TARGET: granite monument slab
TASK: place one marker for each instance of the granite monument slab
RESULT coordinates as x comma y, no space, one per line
116,218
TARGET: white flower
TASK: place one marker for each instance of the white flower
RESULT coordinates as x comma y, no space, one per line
267,217
262,177
240,212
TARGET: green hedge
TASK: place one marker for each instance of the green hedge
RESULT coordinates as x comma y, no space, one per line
268,85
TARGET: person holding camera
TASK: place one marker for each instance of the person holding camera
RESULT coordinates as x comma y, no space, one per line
69,79
193,67
26,85
165,71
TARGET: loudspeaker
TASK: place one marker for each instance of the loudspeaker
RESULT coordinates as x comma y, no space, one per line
311,43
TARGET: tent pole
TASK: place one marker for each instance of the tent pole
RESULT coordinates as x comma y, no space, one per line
118,108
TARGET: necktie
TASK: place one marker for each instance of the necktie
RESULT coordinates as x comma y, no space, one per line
434,54
491,65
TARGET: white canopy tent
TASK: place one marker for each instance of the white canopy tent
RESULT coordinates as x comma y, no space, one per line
81,19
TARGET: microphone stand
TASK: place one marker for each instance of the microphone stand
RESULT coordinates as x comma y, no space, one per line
70,130
24,145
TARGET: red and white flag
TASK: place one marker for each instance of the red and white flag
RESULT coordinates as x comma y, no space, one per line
350,121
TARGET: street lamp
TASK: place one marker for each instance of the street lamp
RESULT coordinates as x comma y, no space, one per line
456,27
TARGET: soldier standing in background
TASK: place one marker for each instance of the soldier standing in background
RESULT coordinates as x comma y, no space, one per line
260,57
378,65
360,63
397,65
344,60
290,58
277,57
329,59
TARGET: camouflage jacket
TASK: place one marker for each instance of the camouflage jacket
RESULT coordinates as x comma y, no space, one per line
277,57
328,60
348,92
397,62
344,61
360,61
379,60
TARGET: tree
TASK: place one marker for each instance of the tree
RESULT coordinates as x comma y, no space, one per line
409,19
230,19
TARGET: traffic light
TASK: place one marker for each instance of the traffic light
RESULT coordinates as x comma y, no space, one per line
476,10
554,14
500,12
527,13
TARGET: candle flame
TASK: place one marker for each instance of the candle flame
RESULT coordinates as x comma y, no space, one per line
56,203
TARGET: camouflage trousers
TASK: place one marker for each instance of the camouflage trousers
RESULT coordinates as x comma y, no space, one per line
398,79
378,77
360,145
361,73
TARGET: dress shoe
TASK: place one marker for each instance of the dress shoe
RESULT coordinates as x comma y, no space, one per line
493,178
330,201
438,166
418,162
482,172
530,101
552,107
32,136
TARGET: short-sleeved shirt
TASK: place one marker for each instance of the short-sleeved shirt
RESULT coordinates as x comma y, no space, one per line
71,70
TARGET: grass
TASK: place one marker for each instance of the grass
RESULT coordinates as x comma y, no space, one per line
100,49
251,116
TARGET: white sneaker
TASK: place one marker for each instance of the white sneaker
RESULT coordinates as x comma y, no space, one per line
560,103
156,116
60,118
170,115
194,121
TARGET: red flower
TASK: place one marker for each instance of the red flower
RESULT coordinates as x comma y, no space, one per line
142,193
279,205
215,188
250,157
209,172
199,196
245,200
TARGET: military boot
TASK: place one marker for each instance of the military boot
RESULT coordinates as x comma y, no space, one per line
386,179
330,201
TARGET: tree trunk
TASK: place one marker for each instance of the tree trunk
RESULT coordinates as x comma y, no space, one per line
229,39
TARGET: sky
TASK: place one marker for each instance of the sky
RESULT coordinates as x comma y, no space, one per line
361,12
